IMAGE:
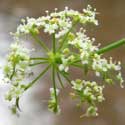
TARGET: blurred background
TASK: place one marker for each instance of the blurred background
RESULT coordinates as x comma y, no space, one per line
34,103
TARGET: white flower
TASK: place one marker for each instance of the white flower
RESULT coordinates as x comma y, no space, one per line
52,104
88,92
22,29
72,48
119,77
90,15
92,111
52,91
50,28
18,63
61,67
64,65
61,33
56,22
77,85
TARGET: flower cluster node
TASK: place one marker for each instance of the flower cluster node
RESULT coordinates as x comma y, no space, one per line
71,47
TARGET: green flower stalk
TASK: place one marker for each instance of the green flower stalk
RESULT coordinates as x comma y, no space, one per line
71,47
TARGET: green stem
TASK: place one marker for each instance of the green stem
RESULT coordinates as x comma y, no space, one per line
60,81
17,103
54,43
53,72
111,46
38,77
65,37
77,65
68,80
34,64
106,48
54,86
38,58
14,70
76,61
40,42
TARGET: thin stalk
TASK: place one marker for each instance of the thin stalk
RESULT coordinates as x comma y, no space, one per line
14,70
111,46
53,72
54,43
68,80
107,48
65,37
60,81
38,58
40,42
54,86
38,77
77,65
34,64
76,61
17,103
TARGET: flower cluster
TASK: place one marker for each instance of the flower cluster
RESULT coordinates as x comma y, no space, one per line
88,92
70,48
57,22
17,63
103,68
52,104
89,57
15,70
15,92
66,59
